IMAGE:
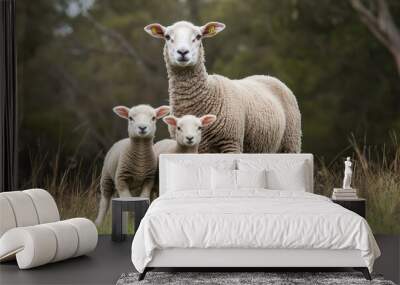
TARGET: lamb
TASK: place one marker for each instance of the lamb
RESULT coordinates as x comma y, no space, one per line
130,164
256,114
187,135
187,138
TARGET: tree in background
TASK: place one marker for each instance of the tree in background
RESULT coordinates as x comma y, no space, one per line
344,80
376,15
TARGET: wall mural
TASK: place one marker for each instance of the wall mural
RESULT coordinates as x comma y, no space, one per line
315,80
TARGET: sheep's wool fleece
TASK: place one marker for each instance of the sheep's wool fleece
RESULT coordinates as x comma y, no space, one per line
172,146
129,160
257,114
164,146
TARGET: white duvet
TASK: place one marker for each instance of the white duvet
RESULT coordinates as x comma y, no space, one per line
254,218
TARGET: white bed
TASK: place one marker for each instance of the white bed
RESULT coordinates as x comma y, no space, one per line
200,223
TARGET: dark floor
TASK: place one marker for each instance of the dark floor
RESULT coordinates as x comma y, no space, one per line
103,266
110,260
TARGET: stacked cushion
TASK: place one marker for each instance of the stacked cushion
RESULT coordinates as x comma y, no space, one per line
26,208
7,218
31,230
41,244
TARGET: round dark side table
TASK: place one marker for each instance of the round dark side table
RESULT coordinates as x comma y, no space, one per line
137,205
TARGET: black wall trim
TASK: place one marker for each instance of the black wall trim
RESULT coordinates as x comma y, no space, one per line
8,97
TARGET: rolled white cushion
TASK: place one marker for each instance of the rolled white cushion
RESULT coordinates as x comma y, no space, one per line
46,207
26,208
23,208
67,240
33,246
87,234
41,244
7,218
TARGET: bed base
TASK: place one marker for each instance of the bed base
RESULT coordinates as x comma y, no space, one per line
250,259
363,270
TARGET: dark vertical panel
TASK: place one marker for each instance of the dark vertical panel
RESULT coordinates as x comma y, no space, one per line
117,233
8,98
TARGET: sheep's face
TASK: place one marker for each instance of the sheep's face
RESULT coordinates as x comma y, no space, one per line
183,40
188,128
141,119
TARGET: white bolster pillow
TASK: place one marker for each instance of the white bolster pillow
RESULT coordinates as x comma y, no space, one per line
7,218
26,208
40,244
32,246
66,238
46,207
23,209
87,235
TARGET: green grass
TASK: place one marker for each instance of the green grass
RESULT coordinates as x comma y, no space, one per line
376,175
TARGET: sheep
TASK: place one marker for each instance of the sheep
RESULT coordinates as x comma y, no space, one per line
256,114
130,164
187,138
187,135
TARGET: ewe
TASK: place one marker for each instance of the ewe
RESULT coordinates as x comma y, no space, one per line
188,131
256,114
130,164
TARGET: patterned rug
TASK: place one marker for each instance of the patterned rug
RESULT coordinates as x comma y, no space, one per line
269,278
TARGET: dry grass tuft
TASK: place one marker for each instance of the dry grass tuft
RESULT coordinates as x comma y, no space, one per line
376,175
75,189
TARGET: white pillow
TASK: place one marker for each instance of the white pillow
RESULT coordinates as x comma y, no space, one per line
251,178
282,174
295,181
188,177
223,179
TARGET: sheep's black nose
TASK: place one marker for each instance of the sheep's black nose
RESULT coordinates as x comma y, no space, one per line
142,128
189,138
183,52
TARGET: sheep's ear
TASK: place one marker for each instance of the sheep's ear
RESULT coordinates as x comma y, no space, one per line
162,111
207,120
155,30
121,111
211,29
170,120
